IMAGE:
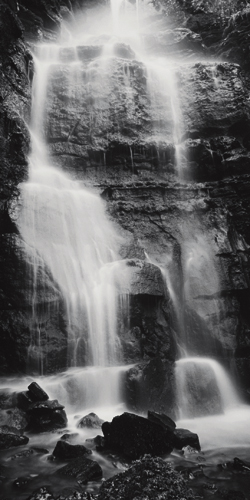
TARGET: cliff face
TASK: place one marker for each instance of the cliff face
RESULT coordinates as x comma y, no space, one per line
201,210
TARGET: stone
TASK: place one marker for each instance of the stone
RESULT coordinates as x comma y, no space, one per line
69,437
46,416
66,451
149,478
133,436
36,393
162,420
91,421
10,440
184,437
82,469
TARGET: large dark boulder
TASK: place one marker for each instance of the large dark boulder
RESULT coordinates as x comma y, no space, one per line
148,478
82,469
66,451
46,416
133,436
37,393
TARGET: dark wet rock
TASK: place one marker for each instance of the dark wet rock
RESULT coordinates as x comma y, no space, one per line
184,437
46,416
66,451
36,393
162,420
9,440
100,443
150,478
69,437
133,436
239,464
82,469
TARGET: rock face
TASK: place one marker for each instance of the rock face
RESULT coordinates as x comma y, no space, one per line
186,219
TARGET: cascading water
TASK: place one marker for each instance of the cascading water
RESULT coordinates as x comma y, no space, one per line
68,233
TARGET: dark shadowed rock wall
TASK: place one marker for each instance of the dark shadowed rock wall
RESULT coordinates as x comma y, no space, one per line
163,214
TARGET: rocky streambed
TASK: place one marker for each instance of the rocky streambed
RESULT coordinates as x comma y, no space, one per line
45,455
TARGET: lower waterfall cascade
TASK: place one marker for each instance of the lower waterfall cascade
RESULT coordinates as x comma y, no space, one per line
107,80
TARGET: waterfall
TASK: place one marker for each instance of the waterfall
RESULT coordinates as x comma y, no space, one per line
67,231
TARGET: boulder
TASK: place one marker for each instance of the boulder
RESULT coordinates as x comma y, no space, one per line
66,451
184,437
162,420
46,416
69,437
133,436
82,469
148,478
36,393
9,440
91,421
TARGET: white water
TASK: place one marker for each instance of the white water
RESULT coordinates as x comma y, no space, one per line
67,231
65,224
